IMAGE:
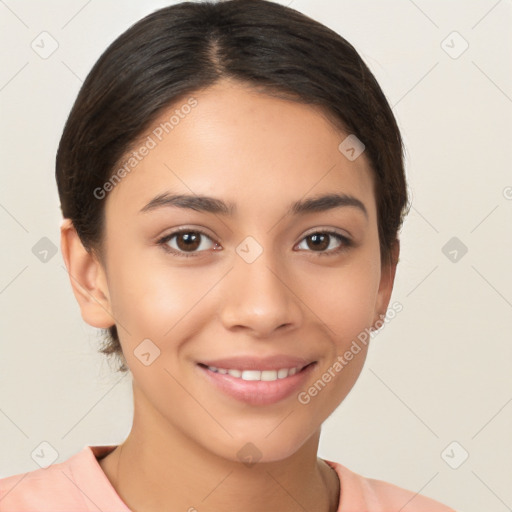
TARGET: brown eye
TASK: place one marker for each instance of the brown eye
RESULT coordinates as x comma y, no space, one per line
187,241
322,242
318,242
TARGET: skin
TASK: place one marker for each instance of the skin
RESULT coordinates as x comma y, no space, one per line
261,153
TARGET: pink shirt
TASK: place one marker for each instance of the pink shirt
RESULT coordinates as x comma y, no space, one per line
79,484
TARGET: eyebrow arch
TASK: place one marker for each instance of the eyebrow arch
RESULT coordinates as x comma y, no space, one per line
217,206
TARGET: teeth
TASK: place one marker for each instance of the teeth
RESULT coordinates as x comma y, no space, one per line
269,375
251,375
282,373
265,375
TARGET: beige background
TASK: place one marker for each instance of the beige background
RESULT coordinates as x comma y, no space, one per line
439,372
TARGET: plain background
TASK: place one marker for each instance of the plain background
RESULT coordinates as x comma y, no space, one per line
439,372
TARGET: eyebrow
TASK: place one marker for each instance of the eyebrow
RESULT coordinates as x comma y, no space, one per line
217,206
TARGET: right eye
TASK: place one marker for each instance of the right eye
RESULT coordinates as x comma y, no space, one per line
186,241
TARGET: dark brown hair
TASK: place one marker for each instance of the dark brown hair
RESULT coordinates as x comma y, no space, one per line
186,47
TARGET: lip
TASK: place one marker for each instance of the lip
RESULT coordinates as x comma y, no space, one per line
257,392
258,363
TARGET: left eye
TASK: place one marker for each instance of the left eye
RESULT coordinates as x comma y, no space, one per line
321,242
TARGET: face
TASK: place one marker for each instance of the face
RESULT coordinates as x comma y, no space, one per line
248,277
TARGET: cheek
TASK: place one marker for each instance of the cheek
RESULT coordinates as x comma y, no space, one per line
153,300
344,298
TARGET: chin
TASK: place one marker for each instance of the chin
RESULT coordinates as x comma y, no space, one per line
258,449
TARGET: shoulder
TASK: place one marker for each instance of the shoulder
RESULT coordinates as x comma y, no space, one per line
375,495
72,485
392,497
50,487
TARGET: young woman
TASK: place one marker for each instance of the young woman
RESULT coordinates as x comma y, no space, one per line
232,186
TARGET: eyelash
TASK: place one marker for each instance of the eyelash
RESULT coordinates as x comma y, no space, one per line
346,242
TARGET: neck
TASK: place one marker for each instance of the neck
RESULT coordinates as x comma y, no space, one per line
157,467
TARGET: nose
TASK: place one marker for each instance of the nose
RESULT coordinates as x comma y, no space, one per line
259,298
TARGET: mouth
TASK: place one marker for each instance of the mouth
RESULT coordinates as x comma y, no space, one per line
257,386
257,375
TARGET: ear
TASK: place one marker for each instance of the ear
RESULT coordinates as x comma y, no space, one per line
387,279
87,277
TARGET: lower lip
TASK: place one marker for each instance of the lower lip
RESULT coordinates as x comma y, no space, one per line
255,392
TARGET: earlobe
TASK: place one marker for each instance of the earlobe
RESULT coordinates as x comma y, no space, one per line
387,280
87,277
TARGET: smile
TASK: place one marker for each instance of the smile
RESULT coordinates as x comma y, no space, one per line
257,387
265,375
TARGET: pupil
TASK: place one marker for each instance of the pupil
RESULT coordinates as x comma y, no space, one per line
319,241
191,240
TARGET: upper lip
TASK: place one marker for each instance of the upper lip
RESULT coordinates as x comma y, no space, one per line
258,363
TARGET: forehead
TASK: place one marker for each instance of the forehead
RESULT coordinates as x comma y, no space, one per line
251,149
